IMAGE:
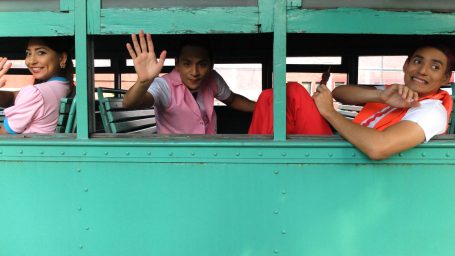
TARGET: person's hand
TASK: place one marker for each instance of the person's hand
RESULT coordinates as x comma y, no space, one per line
400,96
324,100
4,67
145,62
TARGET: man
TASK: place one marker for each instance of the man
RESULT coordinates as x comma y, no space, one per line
184,98
395,118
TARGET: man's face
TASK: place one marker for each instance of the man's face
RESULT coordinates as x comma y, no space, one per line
193,65
425,71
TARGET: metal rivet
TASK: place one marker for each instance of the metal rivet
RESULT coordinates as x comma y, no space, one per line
192,153
283,232
42,153
283,154
21,151
307,154
149,153
215,154
276,211
62,153
86,189
259,154
84,153
275,251
400,154
171,154
354,154
81,246
127,153
284,192
1,152
87,228
447,154
78,170
330,154
79,209
106,153
276,172
423,154
237,154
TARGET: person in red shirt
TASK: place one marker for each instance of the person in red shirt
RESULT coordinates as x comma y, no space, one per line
394,118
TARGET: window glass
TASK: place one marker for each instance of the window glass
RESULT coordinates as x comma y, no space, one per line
243,79
104,80
443,5
313,60
381,70
29,5
175,3
311,80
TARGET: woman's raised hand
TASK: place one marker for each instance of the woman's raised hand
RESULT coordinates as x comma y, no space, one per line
4,67
146,64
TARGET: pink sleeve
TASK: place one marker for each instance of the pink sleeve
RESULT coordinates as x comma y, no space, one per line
28,103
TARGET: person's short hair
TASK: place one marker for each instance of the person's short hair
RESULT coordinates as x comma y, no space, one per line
441,47
195,41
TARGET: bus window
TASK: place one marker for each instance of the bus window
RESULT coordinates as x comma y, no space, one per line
29,5
381,69
312,80
243,79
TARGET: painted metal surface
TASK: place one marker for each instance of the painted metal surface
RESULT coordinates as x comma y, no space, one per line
368,21
43,23
76,195
180,20
143,208
279,69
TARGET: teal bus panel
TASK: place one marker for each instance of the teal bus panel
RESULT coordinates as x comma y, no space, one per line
152,208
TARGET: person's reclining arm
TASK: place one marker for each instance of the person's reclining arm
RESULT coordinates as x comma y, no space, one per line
239,102
395,95
375,144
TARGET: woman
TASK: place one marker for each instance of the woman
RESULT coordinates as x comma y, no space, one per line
34,109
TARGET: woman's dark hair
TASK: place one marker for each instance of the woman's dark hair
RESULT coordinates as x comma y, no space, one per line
195,41
61,45
444,49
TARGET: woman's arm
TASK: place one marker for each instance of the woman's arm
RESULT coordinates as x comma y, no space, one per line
6,98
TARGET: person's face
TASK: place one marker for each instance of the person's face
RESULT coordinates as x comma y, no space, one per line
193,65
425,71
42,61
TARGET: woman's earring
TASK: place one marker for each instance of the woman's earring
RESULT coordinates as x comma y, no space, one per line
62,66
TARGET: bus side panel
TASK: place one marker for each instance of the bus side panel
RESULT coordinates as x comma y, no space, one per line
140,208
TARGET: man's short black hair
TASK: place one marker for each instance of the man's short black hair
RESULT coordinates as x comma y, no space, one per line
195,41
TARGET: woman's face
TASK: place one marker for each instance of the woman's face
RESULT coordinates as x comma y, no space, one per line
42,61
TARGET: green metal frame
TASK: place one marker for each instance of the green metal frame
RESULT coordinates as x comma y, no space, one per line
220,195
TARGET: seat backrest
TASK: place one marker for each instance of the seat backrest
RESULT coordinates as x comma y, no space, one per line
349,111
117,119
67,115
2,116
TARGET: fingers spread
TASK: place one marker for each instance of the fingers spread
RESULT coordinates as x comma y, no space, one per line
162,58
136,45
150,44
142,41
130,50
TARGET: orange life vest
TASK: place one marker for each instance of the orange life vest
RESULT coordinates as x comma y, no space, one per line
370,110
